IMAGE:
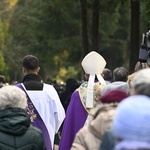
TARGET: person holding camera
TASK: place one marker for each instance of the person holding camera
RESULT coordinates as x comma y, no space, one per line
144,53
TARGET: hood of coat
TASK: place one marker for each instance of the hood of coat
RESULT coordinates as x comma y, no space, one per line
101,119
14,121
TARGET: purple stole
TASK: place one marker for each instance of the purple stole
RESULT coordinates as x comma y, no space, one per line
36,120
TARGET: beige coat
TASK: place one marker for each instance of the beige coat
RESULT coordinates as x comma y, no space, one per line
89,137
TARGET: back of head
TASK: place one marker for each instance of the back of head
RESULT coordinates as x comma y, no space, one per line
132,119
107,74
119,85
141,82
2,79
120,74
12,97
71,84
30,62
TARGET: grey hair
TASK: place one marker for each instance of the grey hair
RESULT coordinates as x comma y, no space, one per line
141,82
11,97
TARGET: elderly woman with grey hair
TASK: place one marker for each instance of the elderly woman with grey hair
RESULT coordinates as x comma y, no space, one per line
140,85
15,129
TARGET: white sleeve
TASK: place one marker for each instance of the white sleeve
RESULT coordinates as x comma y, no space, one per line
59,111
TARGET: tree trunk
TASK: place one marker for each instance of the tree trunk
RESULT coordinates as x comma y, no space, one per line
84,27
95,25
134,45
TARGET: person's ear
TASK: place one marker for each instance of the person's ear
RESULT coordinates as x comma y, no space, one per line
23,70
38,69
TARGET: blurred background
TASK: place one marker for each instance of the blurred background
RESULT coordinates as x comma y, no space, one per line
61,32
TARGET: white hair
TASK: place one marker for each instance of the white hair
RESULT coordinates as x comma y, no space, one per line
12,96
142,76
141,82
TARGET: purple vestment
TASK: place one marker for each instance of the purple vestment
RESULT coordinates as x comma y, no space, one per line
38,122
76,116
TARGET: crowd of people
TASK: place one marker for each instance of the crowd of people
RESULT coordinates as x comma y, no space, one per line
109,110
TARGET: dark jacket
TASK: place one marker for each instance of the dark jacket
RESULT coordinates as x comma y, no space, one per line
16,132
108,141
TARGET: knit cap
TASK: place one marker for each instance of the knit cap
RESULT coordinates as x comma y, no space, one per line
118,85
132,119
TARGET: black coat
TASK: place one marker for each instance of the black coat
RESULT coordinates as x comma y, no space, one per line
16,132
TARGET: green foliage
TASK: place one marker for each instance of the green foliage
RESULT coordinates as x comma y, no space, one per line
65,73
145,15
5,8
3,67
109,18
51,30
45,29
116,52
114,34
2,33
